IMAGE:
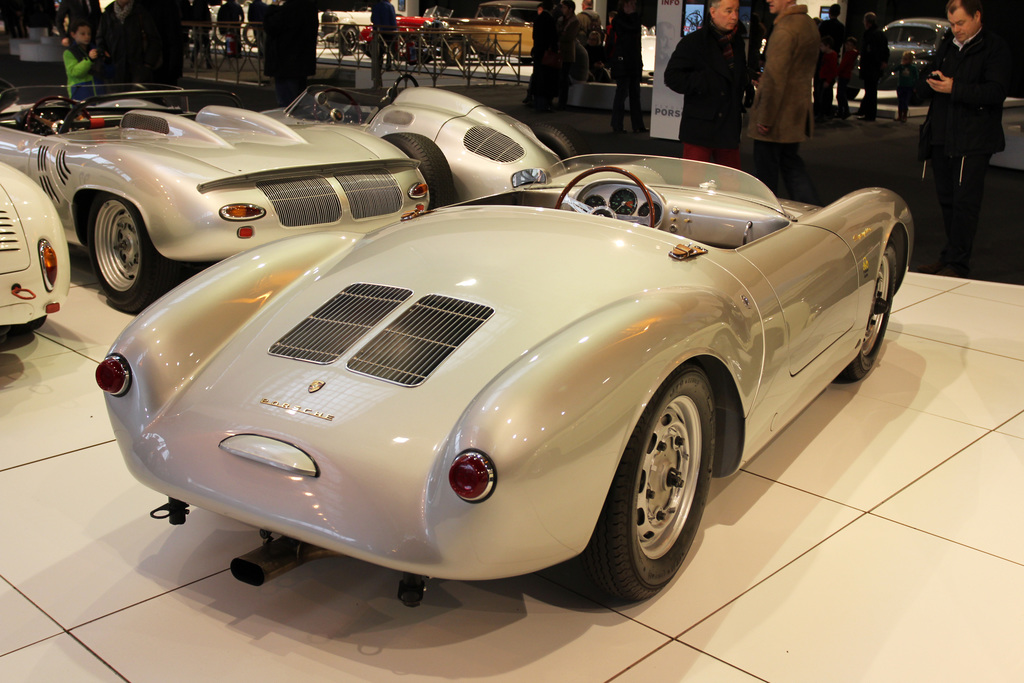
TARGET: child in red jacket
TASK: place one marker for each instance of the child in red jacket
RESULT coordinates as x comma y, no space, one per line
827,70
850,55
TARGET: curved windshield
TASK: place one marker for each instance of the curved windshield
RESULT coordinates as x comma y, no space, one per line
710,179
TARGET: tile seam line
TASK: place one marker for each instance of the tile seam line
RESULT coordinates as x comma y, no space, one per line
56,455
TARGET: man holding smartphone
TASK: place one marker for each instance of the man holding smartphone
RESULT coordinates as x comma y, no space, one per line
967,80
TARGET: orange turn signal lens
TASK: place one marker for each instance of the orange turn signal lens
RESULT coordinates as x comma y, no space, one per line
242,212
48,261
418,190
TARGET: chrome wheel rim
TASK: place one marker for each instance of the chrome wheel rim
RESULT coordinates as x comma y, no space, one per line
117,247
668,477
876,319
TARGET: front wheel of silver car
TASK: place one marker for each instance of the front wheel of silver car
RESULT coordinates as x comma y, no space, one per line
878,319
132,272
653,509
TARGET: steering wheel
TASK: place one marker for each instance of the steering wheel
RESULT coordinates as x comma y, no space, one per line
321,100
35,122
580,207
392,92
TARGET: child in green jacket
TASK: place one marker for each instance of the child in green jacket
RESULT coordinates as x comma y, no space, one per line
81,63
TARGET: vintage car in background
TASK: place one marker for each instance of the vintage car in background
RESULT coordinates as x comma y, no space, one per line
495,387
151,182
35,271
500,28
921,36
411,44
487,151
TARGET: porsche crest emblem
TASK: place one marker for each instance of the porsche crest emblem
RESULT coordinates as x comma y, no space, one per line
316,386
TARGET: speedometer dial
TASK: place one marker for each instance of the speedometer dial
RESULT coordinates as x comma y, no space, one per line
594,201
623,201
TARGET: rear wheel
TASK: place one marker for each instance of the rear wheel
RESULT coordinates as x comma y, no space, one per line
433,165
564,141
132,272
878,321
657,496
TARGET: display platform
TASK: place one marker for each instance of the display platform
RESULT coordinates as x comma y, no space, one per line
876,539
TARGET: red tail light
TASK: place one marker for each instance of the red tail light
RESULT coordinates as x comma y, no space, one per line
114,375
48,261
472,476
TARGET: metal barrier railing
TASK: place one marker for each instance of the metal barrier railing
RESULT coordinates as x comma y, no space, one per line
233,51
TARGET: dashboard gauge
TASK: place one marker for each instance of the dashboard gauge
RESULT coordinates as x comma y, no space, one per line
645,211
603,211
594,201
623,201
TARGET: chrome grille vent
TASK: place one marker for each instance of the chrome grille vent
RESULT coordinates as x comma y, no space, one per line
493,145
419,340
143,122
371,194
305,201
334,327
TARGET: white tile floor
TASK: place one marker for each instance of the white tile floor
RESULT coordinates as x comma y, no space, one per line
878,539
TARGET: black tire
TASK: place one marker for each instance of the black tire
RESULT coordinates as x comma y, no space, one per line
878,321
4,329
565,141
657,497
131,271
433,166
348,39
25,328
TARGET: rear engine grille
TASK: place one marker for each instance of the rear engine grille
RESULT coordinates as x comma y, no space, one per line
371,194
143,122
493,145
334,327
419,340
306,201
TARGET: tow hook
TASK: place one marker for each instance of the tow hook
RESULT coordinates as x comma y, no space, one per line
411,588
174,511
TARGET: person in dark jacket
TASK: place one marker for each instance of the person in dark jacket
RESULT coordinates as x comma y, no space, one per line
709,68
167,16
967,80
874,57
544,81
129,40
291,31
627,66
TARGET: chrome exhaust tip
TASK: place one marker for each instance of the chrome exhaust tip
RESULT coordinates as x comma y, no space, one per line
274,558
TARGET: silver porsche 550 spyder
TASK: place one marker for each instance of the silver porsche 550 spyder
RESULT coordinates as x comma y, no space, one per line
148,184
492,388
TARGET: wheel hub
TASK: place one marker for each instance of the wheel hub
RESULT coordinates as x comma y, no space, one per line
668,477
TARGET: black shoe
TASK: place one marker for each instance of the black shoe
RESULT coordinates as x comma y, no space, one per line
931,268
640,130
951,271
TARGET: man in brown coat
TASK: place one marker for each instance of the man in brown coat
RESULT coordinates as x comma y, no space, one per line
783,114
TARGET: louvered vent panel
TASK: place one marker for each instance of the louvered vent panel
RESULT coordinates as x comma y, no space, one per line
334,327
371,194
301,202
143,122
493,145
10,239
419,340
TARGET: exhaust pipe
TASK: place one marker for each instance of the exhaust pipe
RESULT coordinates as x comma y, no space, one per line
274,558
